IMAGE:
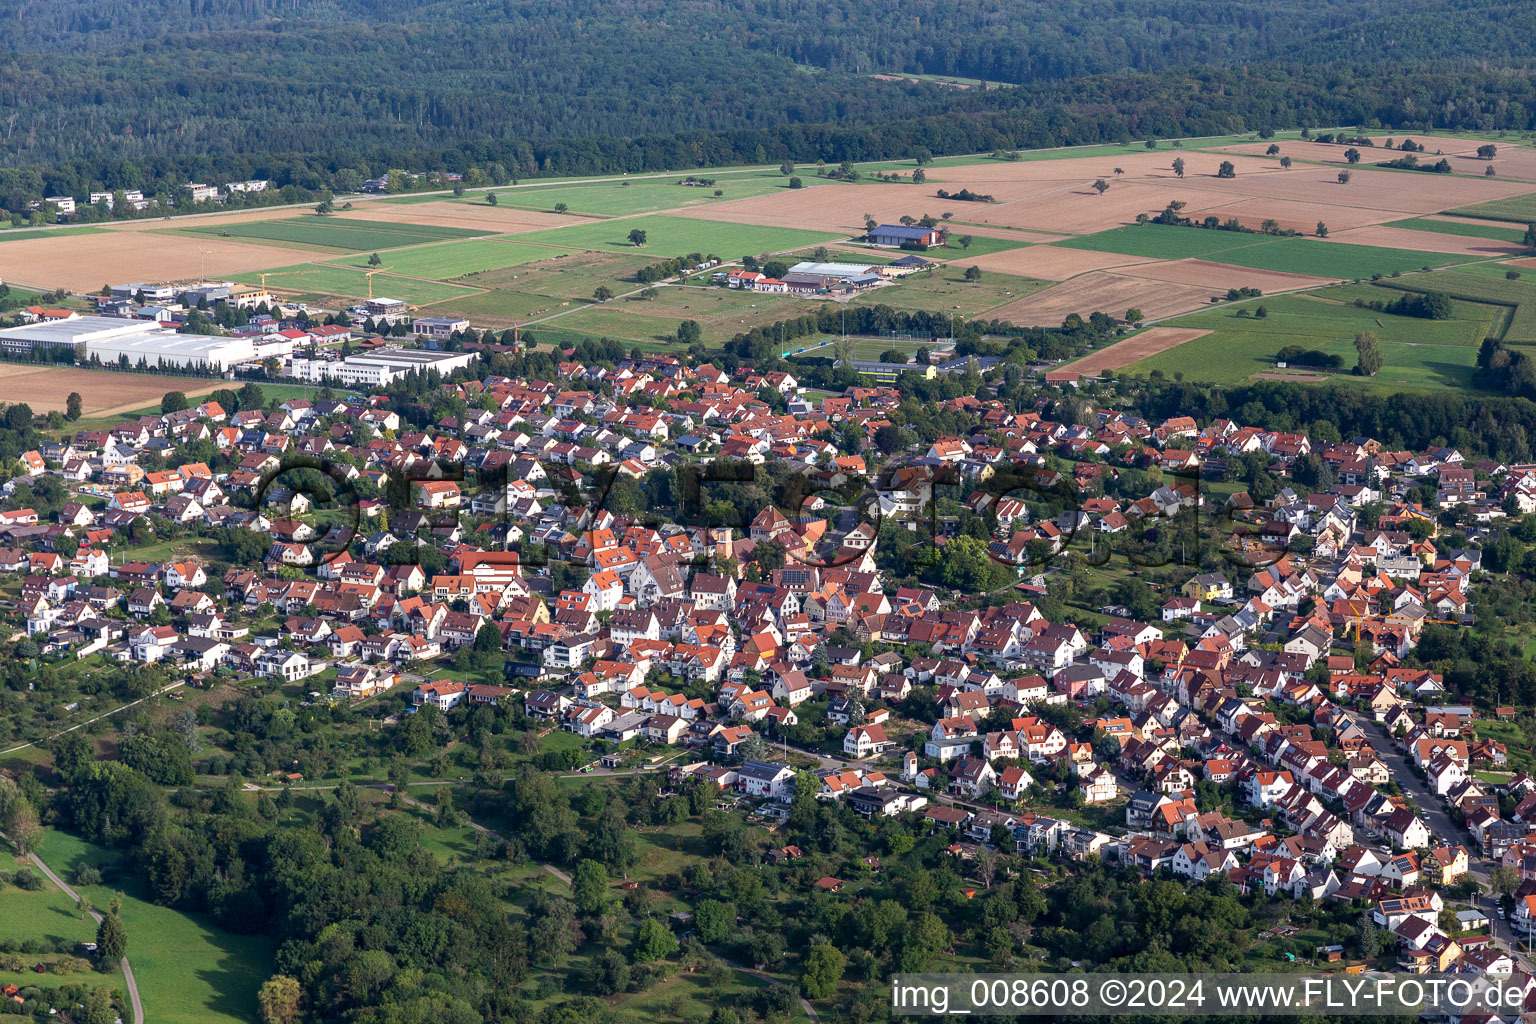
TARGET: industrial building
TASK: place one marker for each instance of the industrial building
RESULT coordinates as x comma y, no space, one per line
381,366
111,340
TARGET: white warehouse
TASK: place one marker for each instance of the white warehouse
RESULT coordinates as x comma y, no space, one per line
162,348
110,339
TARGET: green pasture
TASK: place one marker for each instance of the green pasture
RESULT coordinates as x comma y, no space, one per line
338,233
667,237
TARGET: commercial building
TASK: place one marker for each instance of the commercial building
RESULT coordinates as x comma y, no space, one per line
438,326
80,330
381,366
161,347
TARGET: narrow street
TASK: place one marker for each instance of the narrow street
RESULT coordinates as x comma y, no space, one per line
1441,824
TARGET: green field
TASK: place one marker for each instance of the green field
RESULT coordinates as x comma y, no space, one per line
1420,354
1485,284
1448,227
517,292
721,312
1294,255
945,289
335,233
456,259
1521,209
189,971
22,234
667,237
617,199
308,281
48,915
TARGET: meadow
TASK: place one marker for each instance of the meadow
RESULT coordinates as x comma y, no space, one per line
344,234
456,259
667,237
1292,254
945,289
1420,354
313,282
188,970
720,312
617,199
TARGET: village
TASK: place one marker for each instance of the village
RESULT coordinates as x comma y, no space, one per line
1258,724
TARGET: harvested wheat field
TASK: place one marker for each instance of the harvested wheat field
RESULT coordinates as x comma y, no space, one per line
85,262
1221,276
1132,350
1431,143
1300,216
1104,292
1368,189
834,207
448,214
46,388
1076,208
1519,164
1053,263
1426,241
1009,181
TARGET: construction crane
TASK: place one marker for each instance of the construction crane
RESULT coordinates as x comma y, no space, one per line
369,275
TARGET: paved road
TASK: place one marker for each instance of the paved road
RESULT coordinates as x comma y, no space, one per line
1442,824
128,978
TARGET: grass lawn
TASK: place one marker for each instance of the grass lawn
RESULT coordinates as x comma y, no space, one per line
667,237
946,289
980,245
320,280
619,199
1294,255
23,234
1521,209
189,971
1420,354
50,916
335,233
1449,227
456,259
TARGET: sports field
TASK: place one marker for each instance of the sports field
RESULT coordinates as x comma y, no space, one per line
456,259
1420,354
338,233
309,281
667,237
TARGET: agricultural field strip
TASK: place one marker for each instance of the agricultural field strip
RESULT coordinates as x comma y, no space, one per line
1521,329
1451,227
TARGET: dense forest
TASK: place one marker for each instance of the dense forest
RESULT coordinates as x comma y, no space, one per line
319,93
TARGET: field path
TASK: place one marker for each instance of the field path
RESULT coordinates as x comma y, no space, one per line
128,978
